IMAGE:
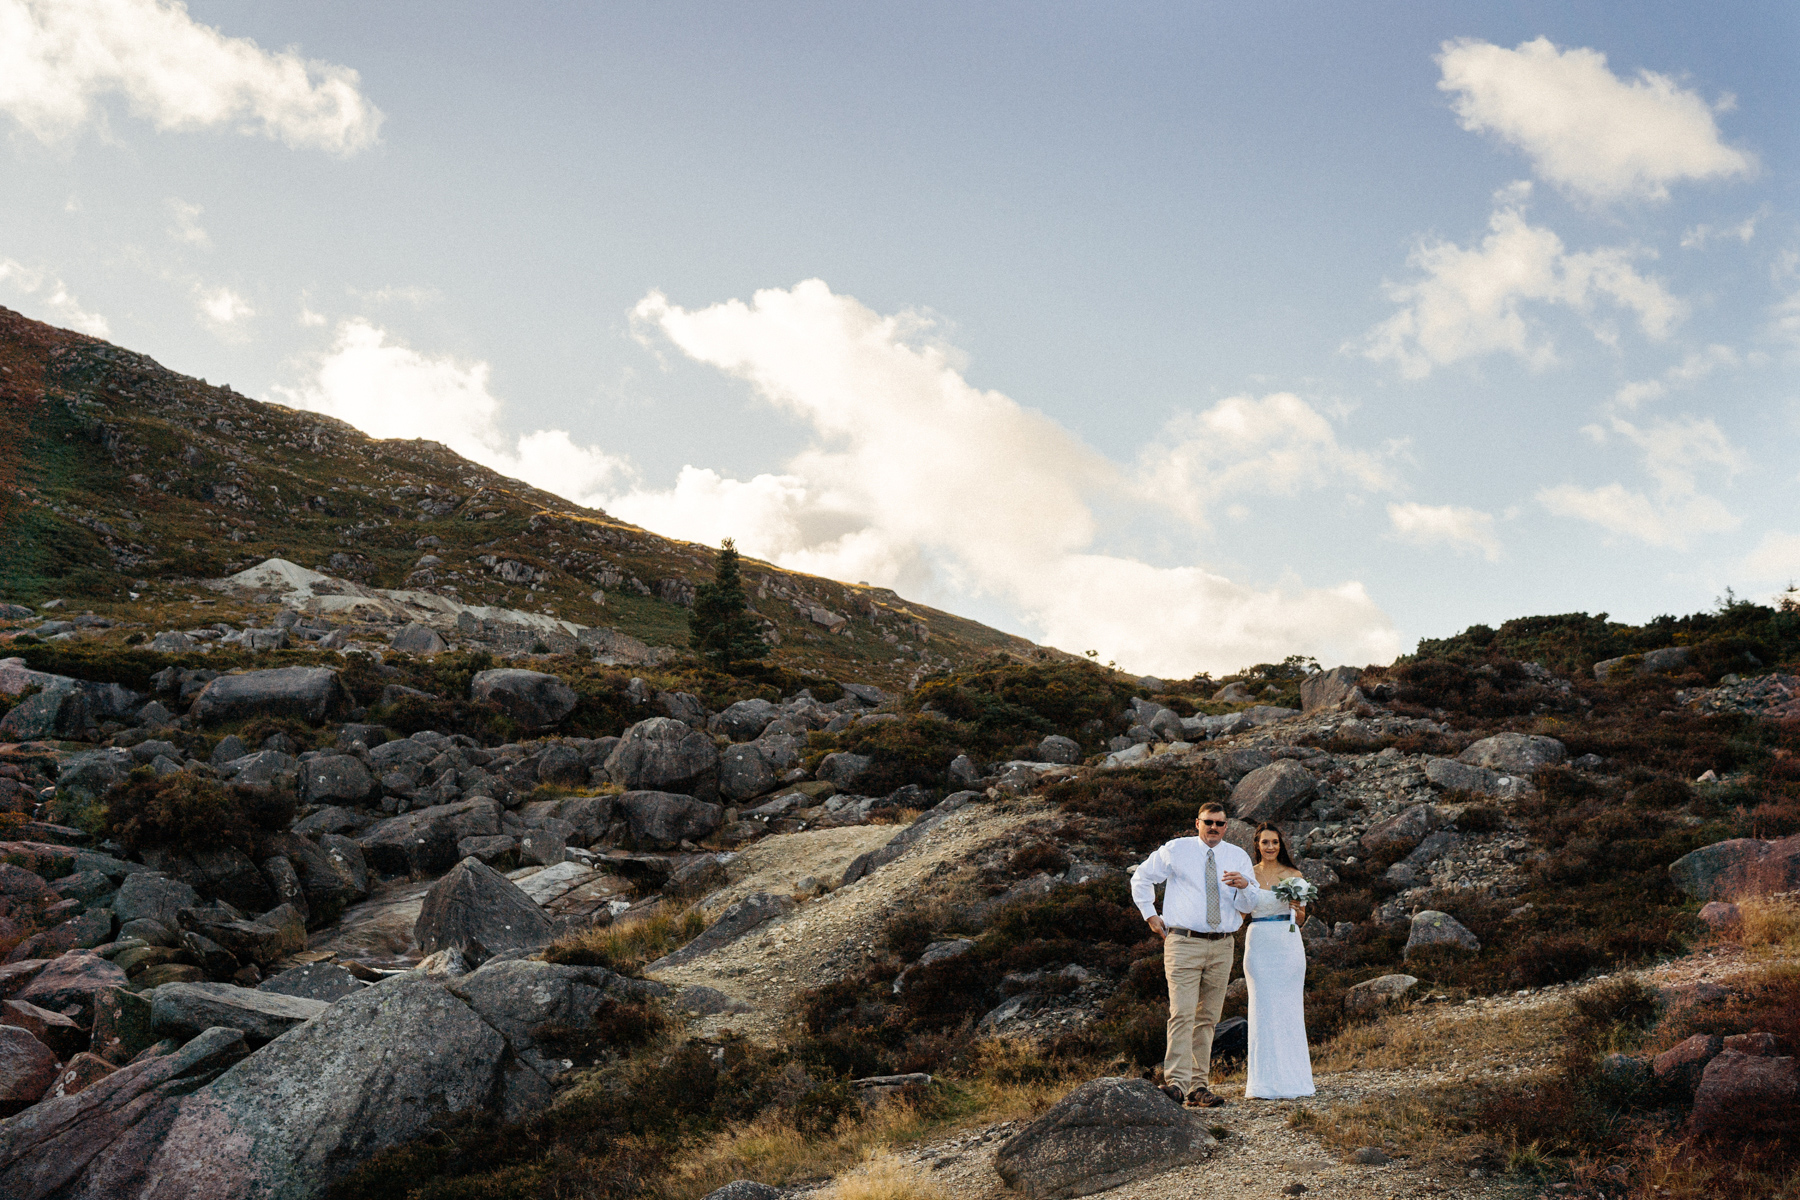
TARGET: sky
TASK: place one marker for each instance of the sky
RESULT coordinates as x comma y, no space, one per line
1194,335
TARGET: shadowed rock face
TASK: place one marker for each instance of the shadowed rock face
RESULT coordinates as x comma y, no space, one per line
1104,1133
662,754
480,912
532,698
307,693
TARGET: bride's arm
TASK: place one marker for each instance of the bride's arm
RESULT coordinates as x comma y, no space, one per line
1299,914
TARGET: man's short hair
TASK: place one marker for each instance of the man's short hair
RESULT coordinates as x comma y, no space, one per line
1212,806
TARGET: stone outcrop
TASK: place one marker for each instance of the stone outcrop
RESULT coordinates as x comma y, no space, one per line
423,842
664,755
1739,868
661,820
1514,753
183,1010
1272,793
1329,689
1106,1132
731,925
305,693
533,699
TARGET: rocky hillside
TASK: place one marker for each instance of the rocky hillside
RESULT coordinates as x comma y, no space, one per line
120,477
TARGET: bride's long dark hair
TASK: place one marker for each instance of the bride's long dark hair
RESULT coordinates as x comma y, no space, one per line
1281,855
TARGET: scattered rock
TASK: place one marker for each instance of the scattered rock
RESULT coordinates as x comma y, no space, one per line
326,981
1720,916
121,1025
1371,1156
745,772
532,698
333,777
844,769
62,1035
1106,1132
745,720
480,912
71,983
1059,749
1378,993
1681,1066
934,953
696,877
745,1189
423,842
1411,825
1748,1095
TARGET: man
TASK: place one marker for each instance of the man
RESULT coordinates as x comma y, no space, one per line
1211,884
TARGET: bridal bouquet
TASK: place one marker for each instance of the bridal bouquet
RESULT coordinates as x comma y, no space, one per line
1296,890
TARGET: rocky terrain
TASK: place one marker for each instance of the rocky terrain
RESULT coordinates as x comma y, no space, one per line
438,867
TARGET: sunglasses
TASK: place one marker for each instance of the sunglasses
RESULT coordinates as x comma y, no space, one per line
1220,824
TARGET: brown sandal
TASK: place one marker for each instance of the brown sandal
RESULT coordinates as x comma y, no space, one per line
1202,1097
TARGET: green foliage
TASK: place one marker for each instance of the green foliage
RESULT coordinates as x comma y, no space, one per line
720,628
1004,703
914,749
189,812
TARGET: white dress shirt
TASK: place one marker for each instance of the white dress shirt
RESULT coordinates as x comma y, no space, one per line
1181,865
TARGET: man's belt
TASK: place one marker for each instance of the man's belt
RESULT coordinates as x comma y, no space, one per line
1195,933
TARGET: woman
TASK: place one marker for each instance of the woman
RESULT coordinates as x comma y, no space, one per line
1280,1067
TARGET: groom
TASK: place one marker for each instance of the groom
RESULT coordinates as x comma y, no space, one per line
1211,885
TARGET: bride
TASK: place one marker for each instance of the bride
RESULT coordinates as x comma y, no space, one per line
1280,1067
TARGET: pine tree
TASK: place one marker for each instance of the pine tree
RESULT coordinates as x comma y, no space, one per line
720,628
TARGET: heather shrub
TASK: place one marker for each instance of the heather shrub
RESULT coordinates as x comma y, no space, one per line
185,810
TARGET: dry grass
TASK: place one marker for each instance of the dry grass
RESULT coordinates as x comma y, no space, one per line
1770,926
1441,1039
1423,1125
1008,1082
884,1177
628,946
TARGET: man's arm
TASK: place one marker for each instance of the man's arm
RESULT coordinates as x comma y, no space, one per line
1247,897
1152,871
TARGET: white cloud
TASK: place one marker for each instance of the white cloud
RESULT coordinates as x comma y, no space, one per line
1584,128
1470,301
187,226
60,305
1776,558
308,319
411,295
1241,446
1445,524
1695,367
1675,511
59,58
1697,237
918,480
391,391
223,309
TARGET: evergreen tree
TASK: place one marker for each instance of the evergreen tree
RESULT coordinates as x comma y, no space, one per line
720,628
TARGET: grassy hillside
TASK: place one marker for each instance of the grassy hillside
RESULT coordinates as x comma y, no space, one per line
118,476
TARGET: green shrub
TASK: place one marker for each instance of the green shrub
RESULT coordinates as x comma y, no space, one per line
1002,703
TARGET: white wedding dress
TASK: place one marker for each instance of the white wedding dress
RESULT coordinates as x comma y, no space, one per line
1280,1065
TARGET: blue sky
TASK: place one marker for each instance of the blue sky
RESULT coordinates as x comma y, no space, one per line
1195,335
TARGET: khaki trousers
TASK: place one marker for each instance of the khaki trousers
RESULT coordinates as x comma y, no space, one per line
1197,970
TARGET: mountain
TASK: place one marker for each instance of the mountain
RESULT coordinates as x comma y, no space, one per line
120,476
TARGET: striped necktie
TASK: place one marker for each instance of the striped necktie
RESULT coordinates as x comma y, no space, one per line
1212,890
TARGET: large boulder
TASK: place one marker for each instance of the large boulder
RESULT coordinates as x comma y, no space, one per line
520,997
1378,993
95,1143
1739,868
1055,748
183,1010
1665,661
662,754
1450,775
304,693
153,897
330,778
423,842
276,934
845,770
27,1069
1435,929
1680,1067
121,1025
327,884
223,872
1104,1133
732,924
1409,825
416,638
661,820
64,1037
1272,793
326,981
480,912
373,1070
745,772
533,699
589,816
87,774
745,720
69,984
1748,1096
1514,753
1329,689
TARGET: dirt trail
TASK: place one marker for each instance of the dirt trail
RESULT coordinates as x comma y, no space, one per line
825,939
